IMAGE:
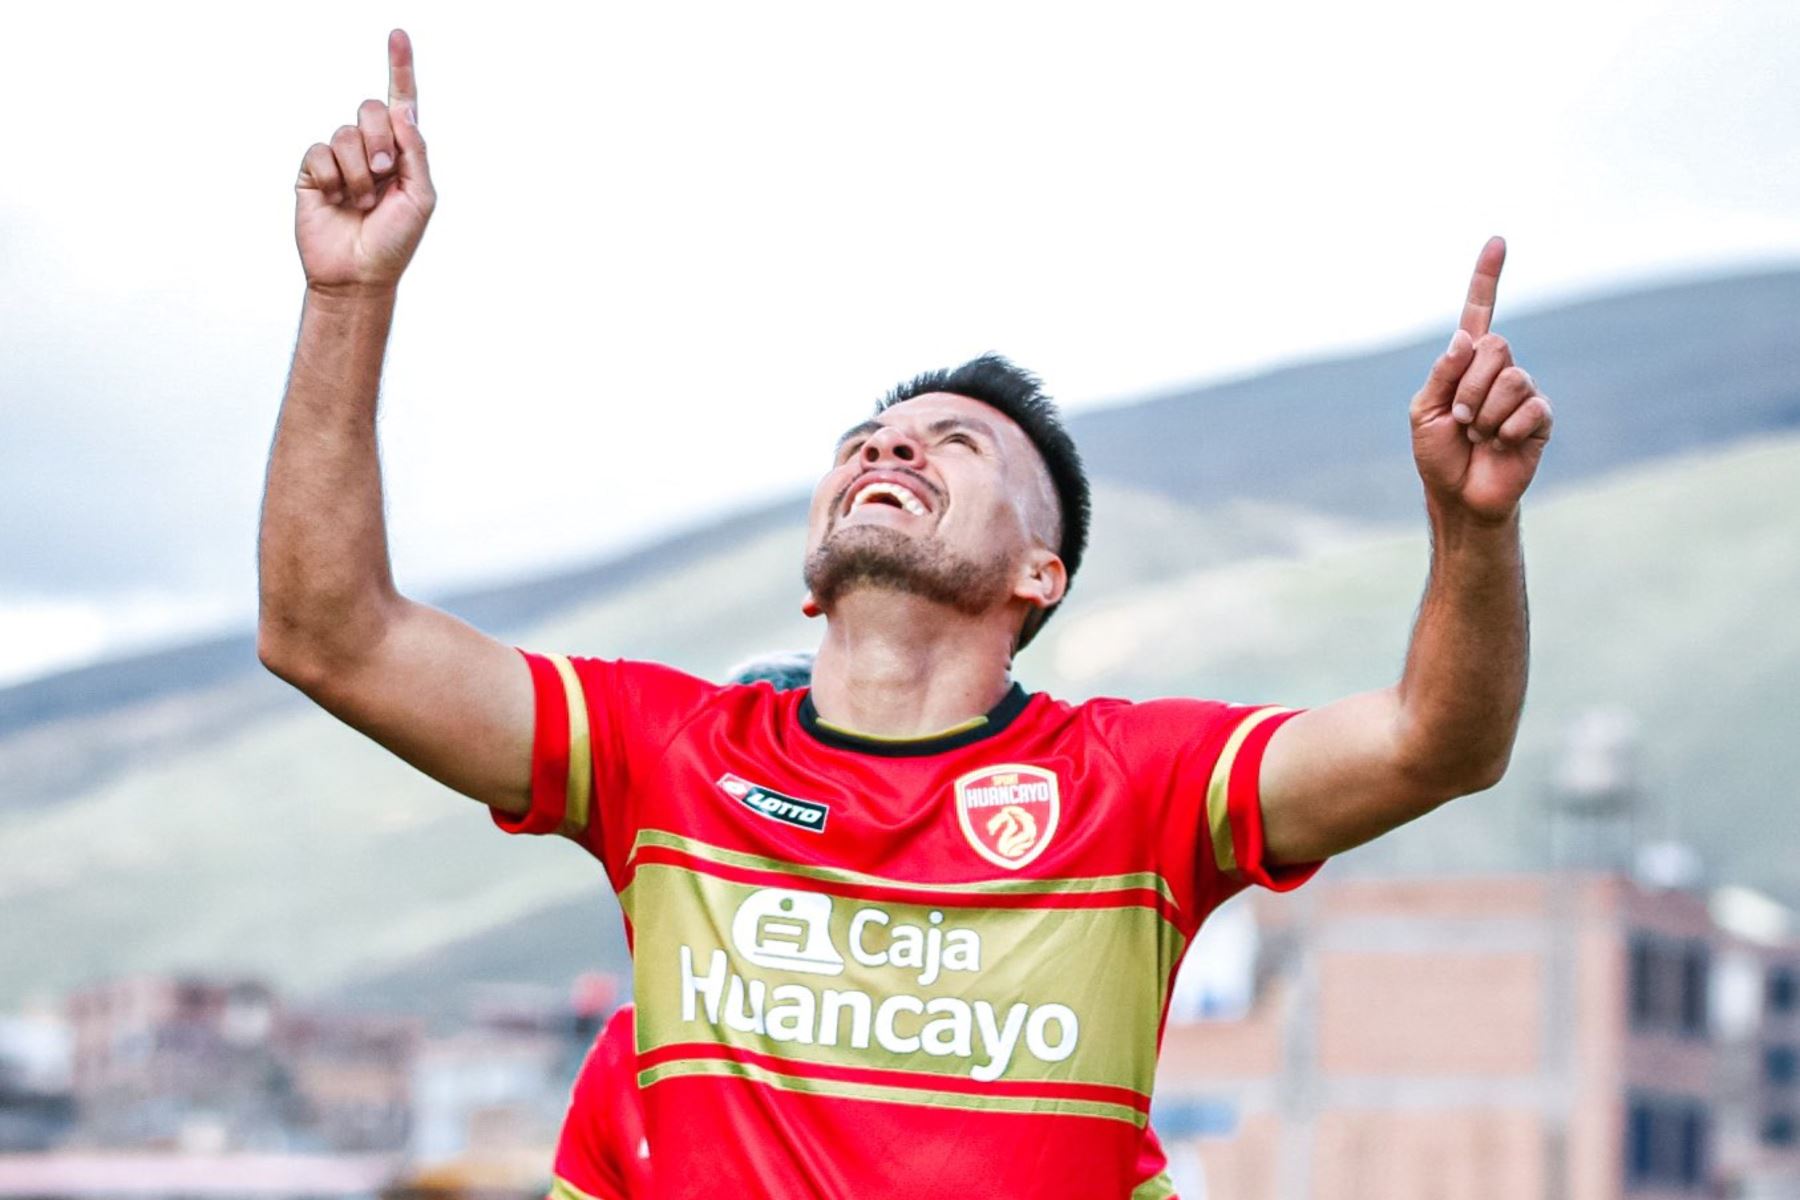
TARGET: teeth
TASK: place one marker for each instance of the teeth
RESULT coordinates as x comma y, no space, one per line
907,500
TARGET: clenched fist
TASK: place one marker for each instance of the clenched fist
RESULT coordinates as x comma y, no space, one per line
1479,425
362,202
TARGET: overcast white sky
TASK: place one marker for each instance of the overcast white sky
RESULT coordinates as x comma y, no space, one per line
679,247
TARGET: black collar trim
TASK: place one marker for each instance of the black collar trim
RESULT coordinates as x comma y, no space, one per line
996,720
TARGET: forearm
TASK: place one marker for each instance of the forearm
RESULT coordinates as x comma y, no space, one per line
1463,686
326,587
1340,774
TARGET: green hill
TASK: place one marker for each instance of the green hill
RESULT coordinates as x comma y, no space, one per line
296,849
1668,590
1648,373
1639,375
1256,539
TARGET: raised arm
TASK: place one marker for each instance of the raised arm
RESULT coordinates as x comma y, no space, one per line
1342,774
445,697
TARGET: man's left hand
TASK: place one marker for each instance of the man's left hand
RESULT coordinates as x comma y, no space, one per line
1479,425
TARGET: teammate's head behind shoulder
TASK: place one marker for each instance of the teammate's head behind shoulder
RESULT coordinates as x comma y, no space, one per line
784,670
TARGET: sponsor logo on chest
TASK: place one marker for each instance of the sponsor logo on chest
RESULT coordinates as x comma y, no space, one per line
767,802
786,929
1009,812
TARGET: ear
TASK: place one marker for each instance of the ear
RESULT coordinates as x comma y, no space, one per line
810,607
1042,578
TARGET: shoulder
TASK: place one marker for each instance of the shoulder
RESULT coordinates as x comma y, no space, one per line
630,694
636,682
1143,735
1112,715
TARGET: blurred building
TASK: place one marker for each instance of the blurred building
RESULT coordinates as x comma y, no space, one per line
1758,991
489,1099
37,1105
217,1066
1547,1035
167,1085
353,1075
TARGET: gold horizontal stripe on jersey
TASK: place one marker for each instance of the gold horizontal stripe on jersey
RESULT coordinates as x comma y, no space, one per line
898,1095
562,1189
1158,1187
1078,885
1110,964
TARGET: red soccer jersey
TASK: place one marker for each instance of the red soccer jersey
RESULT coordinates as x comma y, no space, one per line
918,968
603,1153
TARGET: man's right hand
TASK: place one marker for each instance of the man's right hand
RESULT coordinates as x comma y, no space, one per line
362,202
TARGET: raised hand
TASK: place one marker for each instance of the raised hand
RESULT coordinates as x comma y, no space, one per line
1479,425
362,202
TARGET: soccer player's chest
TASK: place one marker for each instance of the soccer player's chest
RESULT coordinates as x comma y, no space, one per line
1021,809
973,917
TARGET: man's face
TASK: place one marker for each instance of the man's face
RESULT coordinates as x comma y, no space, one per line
941,497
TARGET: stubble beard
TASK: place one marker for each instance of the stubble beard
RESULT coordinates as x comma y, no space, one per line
874,557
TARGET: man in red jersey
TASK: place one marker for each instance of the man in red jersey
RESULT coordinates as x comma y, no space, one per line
602,1152
909,932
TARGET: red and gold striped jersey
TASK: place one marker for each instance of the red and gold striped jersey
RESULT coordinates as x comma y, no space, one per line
603,1152
912,968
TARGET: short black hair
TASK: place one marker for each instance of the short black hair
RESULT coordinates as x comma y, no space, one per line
997,383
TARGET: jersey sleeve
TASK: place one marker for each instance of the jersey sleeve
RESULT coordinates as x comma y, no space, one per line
598,725
1200,763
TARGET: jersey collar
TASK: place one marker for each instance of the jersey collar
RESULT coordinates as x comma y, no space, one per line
968,733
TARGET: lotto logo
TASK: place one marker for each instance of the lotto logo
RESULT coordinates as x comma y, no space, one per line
765,802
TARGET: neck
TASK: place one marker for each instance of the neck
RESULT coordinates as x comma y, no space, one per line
899,666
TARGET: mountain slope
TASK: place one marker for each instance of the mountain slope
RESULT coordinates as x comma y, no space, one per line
1633,377
1667,591
299,850
1259,540
1638,375
295,848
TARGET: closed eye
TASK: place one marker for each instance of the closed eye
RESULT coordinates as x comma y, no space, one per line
970,432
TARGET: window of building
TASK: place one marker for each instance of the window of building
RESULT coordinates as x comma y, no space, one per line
1781,1065
1667,1143
1643,982
1692,1168
1667,985
1696,963
1784,990
1640,1141
1779,1129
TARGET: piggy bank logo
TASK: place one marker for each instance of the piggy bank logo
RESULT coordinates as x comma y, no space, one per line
787,930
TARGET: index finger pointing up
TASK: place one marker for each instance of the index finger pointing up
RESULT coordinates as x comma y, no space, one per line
1478,309
402,89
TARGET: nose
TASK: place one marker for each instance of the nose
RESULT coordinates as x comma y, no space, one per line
891,442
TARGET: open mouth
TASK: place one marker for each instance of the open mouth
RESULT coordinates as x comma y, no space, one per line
889,493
